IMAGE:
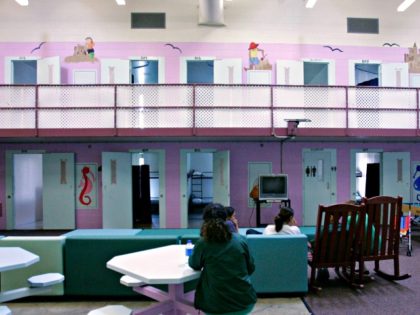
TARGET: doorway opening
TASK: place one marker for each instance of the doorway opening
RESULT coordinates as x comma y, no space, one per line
199,185
200,71
366,74
315,73
24,72
144,71
368,181
28,191
145,187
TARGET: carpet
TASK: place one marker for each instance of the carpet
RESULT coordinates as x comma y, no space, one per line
265,306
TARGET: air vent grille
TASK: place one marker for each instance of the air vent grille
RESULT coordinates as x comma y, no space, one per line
362,25
148,20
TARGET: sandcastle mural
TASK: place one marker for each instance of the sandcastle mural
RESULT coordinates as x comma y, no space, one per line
83,53
413,59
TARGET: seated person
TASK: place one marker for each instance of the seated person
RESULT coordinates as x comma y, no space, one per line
226,264
231,220
284,223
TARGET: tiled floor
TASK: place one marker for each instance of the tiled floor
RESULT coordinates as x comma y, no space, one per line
265,306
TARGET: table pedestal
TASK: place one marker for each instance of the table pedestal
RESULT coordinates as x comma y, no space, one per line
175,301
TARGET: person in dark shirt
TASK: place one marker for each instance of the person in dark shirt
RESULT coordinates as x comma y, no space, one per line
226,265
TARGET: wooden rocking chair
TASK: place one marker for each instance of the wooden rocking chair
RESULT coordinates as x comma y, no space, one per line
381,235
336,241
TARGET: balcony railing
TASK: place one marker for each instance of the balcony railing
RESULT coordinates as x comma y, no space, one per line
224,110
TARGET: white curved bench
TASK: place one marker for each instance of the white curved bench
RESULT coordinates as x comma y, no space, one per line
111,310
4,310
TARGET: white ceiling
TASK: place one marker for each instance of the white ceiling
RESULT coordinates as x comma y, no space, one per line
284,21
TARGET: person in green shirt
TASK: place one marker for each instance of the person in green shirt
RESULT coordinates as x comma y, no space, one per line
226,264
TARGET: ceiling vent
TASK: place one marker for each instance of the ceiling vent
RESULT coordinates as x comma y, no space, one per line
210,13
362,25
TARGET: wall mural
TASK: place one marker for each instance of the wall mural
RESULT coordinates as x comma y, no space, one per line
333,48
256,62
87,189
390,45
38,47
174,47
413,59
83,53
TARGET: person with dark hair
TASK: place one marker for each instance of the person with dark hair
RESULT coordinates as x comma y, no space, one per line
214,210
231,220
226,265
284,223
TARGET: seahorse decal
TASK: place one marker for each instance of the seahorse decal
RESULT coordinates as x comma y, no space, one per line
87,183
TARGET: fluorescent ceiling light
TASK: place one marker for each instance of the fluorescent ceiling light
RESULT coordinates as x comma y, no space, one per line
403,6
120,2
23,2
310,4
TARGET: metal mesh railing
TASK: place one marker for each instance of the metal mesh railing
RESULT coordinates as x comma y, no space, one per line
324,106
17,96
206,106
64,96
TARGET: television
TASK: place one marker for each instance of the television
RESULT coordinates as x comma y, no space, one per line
273,187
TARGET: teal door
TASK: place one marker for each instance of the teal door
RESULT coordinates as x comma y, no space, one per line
59,191
117,203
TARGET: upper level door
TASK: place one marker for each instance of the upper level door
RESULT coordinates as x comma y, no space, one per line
289,72
49,70
395,74
228,71
115,71
32,70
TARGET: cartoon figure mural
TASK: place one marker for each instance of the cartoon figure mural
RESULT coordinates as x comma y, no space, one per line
83,53
256,62
253,52
90,44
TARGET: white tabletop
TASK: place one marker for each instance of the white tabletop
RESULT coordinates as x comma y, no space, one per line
162,265
16,257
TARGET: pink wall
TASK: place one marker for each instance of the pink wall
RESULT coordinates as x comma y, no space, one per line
274,51
240,152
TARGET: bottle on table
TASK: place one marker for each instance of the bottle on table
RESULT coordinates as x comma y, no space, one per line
189,248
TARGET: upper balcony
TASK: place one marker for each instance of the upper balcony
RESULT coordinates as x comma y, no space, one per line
179,110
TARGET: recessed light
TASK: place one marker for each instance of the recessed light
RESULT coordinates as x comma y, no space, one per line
310,4
404,5
23,2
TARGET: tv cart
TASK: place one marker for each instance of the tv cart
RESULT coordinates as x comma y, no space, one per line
258,202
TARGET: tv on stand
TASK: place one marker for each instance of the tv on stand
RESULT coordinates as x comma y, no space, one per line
273,187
